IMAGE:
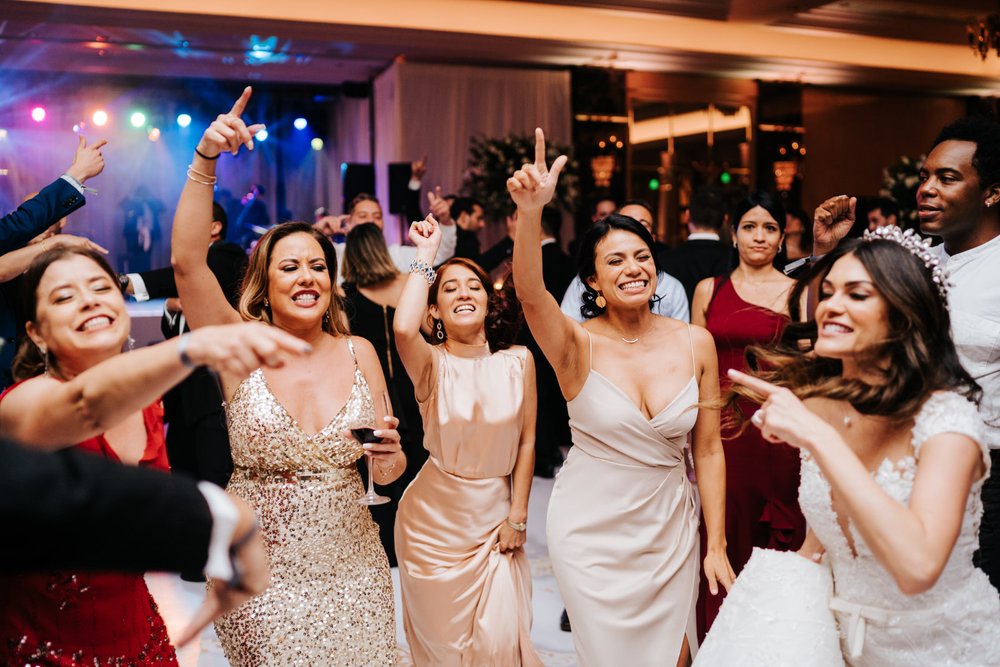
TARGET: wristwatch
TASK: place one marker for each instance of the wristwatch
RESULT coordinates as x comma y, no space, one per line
123,282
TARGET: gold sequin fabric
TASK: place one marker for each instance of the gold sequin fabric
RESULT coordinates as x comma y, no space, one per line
330,601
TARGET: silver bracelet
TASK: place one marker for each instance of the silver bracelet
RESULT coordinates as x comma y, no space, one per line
182,346
519,527
424,269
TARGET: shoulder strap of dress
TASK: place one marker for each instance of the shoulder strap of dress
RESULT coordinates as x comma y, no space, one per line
590,339
694,366
354,356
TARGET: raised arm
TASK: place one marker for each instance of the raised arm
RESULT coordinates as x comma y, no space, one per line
562,340
416,354
51,414
204,301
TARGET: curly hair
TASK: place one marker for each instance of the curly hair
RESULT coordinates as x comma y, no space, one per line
985,134
921,354
503,311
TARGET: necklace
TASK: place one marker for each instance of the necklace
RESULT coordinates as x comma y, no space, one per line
630,341
633,341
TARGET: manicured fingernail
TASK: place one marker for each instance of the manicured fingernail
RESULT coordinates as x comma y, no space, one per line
367,445
307,349
377,434
387,418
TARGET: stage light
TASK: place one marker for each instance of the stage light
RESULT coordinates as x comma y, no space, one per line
317,144
300,123
261,136
3,134
654,184
154,134
184,120
76,128
100,118
38,114
725,178
138,119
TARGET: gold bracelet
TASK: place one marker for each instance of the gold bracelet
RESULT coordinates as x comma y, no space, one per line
519,527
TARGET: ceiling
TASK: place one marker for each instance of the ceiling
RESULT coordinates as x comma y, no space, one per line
315,41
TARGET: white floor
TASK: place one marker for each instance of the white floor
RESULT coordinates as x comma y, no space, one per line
178,601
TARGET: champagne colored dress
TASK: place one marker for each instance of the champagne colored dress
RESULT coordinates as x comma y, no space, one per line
330,601
623,528
466,604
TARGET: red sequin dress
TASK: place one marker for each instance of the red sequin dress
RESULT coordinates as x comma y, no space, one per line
72,619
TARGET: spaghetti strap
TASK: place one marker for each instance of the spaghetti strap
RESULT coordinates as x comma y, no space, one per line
694,366
354,356
591,341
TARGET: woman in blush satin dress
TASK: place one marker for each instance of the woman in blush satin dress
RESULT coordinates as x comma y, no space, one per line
750,307
461,524
330,600
623,520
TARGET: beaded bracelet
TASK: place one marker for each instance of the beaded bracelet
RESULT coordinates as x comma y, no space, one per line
424,269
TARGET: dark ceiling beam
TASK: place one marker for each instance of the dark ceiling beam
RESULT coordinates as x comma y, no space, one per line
768,11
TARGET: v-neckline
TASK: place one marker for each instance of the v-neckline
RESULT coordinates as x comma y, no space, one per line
295,422
638,409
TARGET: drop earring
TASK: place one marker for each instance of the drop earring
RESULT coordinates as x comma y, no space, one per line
600,301
130,342
45,358
267,304
439,329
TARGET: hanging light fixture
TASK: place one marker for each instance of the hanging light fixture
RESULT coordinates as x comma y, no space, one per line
984,35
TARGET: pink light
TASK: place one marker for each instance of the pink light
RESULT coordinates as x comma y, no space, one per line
38,114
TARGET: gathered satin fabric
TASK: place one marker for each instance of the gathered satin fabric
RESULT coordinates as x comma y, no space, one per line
623,528
464,602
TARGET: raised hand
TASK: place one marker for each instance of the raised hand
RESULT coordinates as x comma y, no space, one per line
533,185
228,131
439,207
88,160
426,234
783,417
240,349
329,225
418,168
71,241
832,222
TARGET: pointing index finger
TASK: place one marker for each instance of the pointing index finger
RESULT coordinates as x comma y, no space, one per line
760,386
240,105
539,148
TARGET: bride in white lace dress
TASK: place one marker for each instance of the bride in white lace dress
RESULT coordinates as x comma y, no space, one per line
892,469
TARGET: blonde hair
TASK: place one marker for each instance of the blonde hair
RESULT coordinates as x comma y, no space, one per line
253,295
366,257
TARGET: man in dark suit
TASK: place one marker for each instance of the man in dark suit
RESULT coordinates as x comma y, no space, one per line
71,509
469,217
197,439
703,255
34,217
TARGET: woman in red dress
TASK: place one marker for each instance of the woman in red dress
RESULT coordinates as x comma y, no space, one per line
74,385
750,307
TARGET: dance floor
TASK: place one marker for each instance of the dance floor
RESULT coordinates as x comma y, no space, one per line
178,601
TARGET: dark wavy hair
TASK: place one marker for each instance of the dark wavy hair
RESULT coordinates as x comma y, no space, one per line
921,354
29,362
586,262
773,207
503,311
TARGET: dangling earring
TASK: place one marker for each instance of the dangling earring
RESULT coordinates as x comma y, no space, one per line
780,247
439,329
131,343
45,358
267,304
600,301
326,319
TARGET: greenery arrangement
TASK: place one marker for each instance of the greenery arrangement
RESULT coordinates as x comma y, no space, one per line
492,161
899,183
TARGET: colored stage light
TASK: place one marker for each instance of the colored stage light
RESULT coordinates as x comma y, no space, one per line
3,134
300,123
654,184
76,128
154,134
261,136
184,120
725,178
317,144
138,119
100,118
38,114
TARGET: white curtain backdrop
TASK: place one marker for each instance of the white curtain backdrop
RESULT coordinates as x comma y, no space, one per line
434,110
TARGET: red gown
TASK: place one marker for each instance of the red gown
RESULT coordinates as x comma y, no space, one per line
762,478
72,619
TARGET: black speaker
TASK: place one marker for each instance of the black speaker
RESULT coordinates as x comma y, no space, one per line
356,178
400,197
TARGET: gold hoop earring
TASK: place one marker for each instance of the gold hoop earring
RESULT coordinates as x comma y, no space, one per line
600,301
439,329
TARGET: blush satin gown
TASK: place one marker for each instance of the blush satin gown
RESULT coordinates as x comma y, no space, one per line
464,602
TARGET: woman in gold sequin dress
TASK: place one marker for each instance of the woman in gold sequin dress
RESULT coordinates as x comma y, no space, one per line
330,600
460,527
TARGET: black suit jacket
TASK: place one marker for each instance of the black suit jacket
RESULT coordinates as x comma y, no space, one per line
693,261
558,270
71,509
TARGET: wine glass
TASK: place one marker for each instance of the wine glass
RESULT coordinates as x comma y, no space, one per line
365,434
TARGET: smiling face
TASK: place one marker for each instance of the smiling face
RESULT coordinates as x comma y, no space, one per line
299,283
625,272
758,237
462,302
950,199
80,316
852,316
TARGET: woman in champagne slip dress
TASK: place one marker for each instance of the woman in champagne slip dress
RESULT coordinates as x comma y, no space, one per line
461,524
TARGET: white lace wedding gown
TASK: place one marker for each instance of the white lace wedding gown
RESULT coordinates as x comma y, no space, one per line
778,612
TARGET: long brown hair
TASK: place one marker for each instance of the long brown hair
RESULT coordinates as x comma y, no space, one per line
921,354
253,295
366,257
29,361
503,310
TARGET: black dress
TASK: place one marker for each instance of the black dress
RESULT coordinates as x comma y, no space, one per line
373,322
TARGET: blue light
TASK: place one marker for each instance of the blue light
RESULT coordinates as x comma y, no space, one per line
300,123
261,136
184,119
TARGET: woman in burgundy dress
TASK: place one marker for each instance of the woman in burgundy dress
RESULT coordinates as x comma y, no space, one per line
750,307
75,385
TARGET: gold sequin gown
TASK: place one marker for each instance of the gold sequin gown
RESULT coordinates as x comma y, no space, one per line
330,601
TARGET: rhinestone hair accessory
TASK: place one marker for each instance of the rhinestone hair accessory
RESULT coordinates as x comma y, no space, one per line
919,248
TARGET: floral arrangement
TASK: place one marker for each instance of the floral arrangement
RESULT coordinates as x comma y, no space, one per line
899,183
492,161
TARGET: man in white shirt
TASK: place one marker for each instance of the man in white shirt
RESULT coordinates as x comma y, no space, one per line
673,301
958,200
